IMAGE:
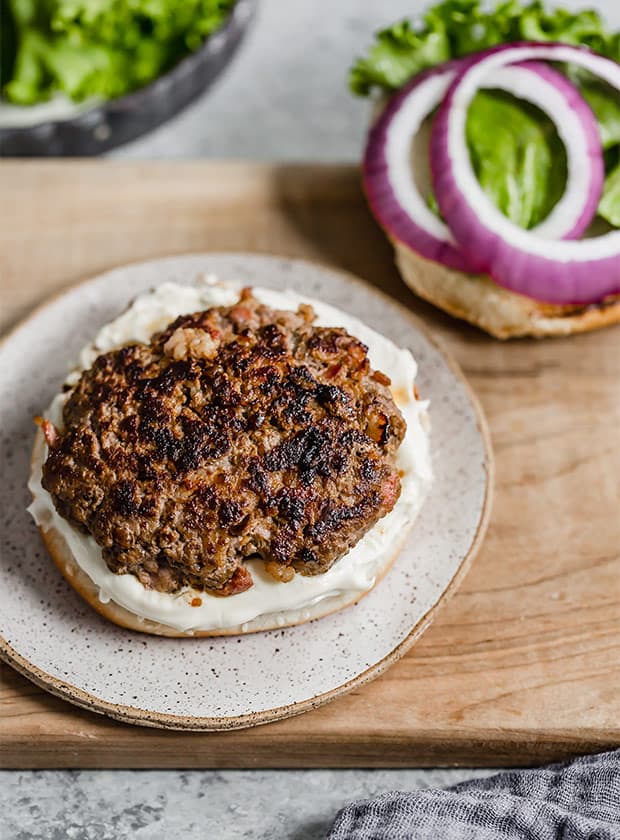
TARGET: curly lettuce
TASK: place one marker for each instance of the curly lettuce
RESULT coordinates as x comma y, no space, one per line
99,48
454,28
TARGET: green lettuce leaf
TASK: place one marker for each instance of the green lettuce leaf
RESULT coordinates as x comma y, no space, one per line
454,28
609,207
398,54
605,104
520,163
101,48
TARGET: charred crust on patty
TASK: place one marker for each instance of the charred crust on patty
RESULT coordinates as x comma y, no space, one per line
237,432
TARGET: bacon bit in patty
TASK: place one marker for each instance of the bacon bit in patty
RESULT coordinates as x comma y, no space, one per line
381,378
306,312
49,431
356,354
378,428
333,371
191,344
390,490
239,582
242,314
282,573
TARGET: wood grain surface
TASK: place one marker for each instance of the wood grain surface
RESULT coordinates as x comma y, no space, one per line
523,665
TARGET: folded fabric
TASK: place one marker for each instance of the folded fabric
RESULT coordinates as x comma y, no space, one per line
578,800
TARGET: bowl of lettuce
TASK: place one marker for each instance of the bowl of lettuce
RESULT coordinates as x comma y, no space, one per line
79,77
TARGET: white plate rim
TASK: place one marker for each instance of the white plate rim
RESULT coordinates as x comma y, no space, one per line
130,714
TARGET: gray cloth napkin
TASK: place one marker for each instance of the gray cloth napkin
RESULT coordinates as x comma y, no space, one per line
579,800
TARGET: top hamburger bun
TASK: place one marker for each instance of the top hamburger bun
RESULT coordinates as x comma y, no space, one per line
498,311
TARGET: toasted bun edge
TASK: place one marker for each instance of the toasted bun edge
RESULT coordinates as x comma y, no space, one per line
77,578
498,311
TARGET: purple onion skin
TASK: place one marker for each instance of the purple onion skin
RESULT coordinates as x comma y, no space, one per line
542,278
379,191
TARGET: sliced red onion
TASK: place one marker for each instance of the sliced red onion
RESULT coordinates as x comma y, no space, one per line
392,193
531,262
395,197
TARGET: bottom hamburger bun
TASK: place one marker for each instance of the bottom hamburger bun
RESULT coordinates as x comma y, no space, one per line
498,311
187,607
81,582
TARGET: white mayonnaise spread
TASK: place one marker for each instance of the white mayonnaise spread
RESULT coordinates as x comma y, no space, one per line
353,574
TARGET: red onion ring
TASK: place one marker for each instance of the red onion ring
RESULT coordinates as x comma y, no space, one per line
392,194
530,262
395,198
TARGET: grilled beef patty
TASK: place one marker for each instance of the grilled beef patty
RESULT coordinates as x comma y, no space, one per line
238,431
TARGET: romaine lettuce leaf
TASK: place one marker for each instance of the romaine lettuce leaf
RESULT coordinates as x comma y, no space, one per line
605,104
520,162
609,207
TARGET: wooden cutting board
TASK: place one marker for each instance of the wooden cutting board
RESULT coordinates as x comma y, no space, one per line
523,664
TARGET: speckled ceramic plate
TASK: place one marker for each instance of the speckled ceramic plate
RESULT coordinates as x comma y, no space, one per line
53,637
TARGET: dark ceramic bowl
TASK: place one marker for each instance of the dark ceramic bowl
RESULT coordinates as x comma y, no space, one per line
113,123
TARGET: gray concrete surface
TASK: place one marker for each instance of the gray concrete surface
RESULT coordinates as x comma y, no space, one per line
197,805
285,97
